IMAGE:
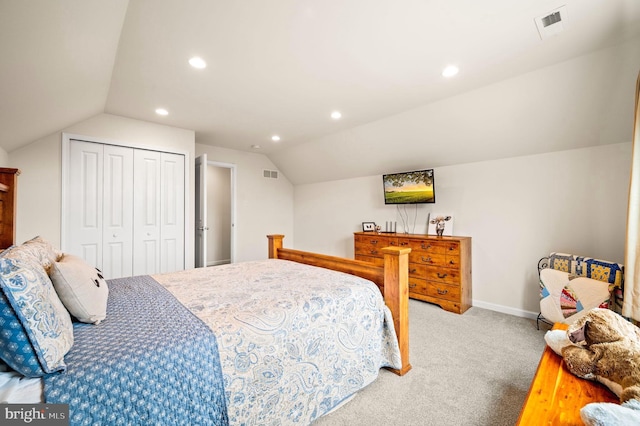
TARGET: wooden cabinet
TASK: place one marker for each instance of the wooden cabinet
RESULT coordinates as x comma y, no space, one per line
439,267
8,181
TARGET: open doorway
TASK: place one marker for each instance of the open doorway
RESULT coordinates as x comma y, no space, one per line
215,207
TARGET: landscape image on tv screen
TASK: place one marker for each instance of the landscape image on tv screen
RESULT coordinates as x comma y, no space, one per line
409,187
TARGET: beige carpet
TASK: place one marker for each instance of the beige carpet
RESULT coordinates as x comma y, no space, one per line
470,369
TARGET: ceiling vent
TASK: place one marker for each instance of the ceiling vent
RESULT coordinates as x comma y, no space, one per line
552,23
272,174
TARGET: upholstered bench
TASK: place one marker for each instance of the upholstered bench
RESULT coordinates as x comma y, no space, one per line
571,285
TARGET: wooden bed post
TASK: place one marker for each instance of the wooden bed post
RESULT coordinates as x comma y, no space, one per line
275,243
396,296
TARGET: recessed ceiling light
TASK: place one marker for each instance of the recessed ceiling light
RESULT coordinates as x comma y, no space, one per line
450,71
255,147
197,62
275,138
336,115
162,111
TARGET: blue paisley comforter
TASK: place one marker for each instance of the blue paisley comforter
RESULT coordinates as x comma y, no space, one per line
294,340
151,362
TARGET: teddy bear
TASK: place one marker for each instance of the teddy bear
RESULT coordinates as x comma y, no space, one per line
603,346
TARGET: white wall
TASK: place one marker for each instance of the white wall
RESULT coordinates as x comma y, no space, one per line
39,184
4,158
263,205
516,210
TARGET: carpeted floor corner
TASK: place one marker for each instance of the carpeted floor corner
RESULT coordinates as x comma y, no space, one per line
470,369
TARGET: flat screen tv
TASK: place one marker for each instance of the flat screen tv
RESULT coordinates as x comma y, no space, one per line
409,187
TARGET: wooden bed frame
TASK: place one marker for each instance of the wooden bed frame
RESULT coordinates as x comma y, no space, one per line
392,279
556,396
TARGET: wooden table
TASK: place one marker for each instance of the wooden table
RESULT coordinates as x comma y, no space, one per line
556,396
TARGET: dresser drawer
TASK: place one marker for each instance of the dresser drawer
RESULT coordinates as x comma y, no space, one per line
372,245
443,291
452,261
446,275
417,286
416,270
427,246
449,261
378,261
376,240
369,250
425,258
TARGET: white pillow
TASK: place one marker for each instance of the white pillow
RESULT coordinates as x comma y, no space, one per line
81,288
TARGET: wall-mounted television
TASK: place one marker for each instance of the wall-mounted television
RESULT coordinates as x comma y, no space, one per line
409,187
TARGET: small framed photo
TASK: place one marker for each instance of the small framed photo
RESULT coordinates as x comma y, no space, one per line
368,226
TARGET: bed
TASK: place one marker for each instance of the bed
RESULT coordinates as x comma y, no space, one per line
292,338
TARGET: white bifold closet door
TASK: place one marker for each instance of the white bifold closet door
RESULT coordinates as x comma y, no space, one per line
125,208
158,213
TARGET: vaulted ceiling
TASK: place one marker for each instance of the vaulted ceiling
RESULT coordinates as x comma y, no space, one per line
276,67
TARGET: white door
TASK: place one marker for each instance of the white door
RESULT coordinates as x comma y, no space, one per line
171,212
83,202
146,212
201,212
123,208
117,235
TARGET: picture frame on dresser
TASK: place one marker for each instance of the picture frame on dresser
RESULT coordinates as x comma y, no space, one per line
440,224
368,226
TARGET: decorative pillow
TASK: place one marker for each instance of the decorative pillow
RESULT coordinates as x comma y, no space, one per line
36,329
81,288
38,248
565,297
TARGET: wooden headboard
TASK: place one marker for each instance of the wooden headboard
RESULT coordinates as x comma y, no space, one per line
8,187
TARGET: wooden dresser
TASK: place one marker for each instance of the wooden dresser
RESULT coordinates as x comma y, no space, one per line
439,267
8,188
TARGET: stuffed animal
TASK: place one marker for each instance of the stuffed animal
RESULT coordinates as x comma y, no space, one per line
603,346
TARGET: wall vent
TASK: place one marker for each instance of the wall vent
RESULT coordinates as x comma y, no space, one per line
272,174
552,23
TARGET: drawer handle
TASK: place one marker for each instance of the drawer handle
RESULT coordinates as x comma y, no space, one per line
451,262
392,243
374,241
413,270
425,247
442,275
412,285
452,248
373,252
404,243
443,292
427,259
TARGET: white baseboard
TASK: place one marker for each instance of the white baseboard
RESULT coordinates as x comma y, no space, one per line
218,262
505,309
